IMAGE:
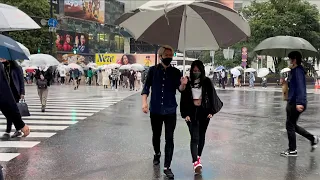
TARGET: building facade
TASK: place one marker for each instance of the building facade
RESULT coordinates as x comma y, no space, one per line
86,27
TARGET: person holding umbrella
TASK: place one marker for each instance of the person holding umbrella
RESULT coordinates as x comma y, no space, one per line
43,77
297,104
164,80
14,75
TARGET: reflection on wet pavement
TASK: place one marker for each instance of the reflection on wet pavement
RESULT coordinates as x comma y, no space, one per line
243,142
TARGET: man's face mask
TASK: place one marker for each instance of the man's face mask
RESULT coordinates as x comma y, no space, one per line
166,61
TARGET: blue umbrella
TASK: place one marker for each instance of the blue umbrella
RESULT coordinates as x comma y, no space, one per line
219,68
10,50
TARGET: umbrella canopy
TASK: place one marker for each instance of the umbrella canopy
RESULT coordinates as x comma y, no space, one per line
250,70
43,60
181,58
31,68
75,66
219,68
281,46
114,65
186,25
262,72
284,70
24,49
137,67
180,24
13,19
125,67
10,50
239,68
235,72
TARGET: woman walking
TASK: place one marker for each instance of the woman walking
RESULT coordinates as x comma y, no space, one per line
43,77
105,78
199,102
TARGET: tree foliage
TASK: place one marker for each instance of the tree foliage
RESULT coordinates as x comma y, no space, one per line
33,39
283,17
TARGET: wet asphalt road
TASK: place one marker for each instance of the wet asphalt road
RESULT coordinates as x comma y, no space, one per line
243,143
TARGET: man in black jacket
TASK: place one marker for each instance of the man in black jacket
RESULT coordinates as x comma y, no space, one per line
14,76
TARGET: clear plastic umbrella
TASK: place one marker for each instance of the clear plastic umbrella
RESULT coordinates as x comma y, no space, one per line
13,19
235,72
262,72
125,67
43,60
137,67
24,49
284,70
250,70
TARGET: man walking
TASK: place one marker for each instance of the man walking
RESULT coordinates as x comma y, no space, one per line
297,103
164,80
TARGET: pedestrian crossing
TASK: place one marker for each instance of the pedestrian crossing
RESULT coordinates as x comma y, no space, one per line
65,107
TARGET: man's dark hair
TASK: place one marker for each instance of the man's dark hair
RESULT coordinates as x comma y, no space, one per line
296,55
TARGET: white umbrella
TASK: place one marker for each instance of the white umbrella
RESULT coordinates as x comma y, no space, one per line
235,72
24,49
262,72
43,59
239,68
250,70
13,19
114,65
178,58
137,67
186,25
125,67
25,63
75,66
284,70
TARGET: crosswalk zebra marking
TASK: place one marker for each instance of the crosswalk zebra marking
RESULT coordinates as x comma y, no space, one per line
65,107
19,144
8,156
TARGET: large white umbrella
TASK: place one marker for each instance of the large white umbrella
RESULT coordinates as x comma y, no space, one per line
262,72
186,25
13,19
178,58
284,70
24,49
114,65
250,70
43,60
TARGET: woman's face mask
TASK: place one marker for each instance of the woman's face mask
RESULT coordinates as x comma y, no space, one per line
196,75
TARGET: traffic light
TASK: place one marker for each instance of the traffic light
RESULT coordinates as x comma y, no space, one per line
38,50
75,50
175,54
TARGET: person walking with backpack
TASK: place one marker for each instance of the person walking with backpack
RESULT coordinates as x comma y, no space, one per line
43,78
76,74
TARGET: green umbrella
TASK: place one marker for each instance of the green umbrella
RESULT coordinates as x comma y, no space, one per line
281,46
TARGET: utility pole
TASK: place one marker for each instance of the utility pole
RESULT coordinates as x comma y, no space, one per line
51,37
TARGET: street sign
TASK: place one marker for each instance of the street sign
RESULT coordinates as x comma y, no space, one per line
52,22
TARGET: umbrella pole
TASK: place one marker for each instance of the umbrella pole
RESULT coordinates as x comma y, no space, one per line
184,38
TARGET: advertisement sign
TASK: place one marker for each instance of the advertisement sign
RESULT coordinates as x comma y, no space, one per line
67,41
74,58
124,59
244,56
229,3
92,10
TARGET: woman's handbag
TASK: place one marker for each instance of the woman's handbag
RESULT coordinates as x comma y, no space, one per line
23,108
216,105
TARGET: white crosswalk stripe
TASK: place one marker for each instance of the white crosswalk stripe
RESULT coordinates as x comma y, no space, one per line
65,107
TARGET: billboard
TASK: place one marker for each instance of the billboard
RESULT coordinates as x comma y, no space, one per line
68,40
229,3
124,59
74,58
92,10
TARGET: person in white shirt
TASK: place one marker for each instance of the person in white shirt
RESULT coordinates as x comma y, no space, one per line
223,78
62,73
138,80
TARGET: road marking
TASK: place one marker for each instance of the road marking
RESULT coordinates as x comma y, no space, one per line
18,144
8,156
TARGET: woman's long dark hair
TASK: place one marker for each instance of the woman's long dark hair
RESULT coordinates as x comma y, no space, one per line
199,64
